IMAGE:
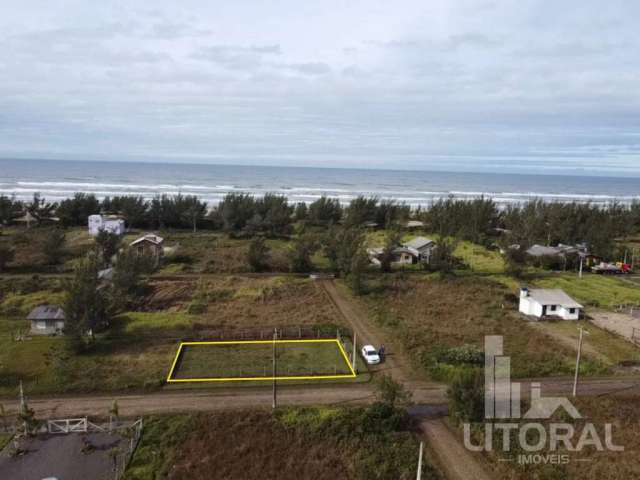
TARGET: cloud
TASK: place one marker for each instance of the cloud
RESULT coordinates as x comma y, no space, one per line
310,68
236,57
402,84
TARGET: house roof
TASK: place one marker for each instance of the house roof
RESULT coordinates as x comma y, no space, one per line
542,251
553,297
106,274
419,242
376,252
149,237
46,312
415,224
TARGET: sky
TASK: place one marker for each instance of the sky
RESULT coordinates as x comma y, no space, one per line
515,86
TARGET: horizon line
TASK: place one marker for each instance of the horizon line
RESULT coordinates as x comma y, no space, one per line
313,167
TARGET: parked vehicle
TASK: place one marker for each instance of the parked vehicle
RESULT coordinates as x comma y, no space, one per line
612,268
370,355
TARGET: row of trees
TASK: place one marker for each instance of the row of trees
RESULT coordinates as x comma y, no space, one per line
479,220
547,223
237,212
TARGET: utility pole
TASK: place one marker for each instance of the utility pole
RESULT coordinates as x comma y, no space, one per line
275,336
353,353
419,474
581,262
575,379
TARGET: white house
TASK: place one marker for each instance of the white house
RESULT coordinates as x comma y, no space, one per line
108,224
541,303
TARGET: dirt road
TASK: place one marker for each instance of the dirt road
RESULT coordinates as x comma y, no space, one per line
193,401
396,364
454,460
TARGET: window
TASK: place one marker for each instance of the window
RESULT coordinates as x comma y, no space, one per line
552,308
572,310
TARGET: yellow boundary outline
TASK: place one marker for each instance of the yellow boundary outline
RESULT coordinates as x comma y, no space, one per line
253,379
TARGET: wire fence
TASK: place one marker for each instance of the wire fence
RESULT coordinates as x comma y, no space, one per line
629,309
307,359
269,333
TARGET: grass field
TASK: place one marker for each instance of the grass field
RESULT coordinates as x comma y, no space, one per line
593,290
233,361
440,321
290,444
139,347
622,411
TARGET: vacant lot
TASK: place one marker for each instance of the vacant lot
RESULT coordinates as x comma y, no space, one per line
137,351
29,247
442,324
593,290
623,412
243,302
293,444
598,343
238,360
208,252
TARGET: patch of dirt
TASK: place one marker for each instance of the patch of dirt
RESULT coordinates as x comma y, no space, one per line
252,445
621,324
168,295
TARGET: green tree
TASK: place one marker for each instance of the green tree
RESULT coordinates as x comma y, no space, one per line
127,282
85,305
324,211
108,245
442,258
10,209
134,209
357,270
341,245
194,211
7,254
53,246
361,210
235,210
39,208
303,249
258,255
301,212
76,210
392,241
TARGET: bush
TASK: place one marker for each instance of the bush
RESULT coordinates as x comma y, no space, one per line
54,246
7,254
466,396
258,255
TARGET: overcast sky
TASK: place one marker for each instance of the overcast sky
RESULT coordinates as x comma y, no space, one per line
456,85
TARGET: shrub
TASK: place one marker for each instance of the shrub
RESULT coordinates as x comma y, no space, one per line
466,396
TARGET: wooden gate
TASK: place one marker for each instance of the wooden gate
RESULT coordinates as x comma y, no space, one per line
67,425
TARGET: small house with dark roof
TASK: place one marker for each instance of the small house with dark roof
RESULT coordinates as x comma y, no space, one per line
46,320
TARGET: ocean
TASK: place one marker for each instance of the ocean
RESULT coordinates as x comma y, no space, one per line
59,179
